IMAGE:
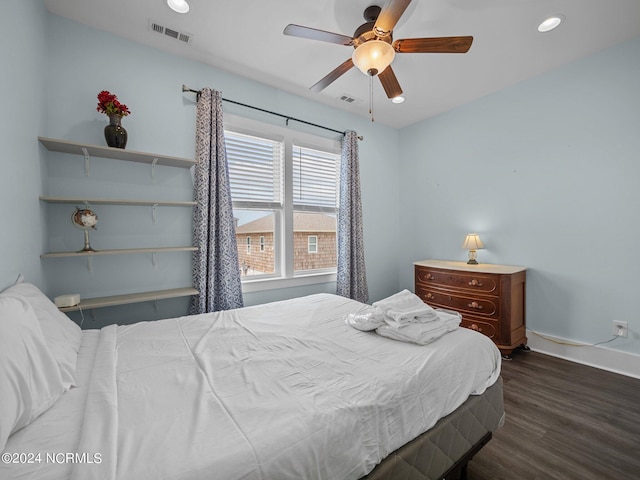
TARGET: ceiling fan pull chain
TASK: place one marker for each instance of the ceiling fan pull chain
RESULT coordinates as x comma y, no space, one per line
371,96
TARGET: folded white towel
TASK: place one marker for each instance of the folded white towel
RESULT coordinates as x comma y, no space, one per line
365,321
422,333
405,307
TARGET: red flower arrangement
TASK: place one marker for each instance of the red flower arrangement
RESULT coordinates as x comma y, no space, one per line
108,104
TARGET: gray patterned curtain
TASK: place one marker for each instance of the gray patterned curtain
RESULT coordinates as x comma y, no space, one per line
352,278
216,273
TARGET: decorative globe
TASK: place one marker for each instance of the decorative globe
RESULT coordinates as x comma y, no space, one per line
86,220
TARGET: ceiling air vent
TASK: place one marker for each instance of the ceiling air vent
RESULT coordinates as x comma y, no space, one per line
170,32
347,98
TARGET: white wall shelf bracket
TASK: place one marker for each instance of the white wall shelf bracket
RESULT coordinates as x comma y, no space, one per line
87,161
154,259
154,208
90,264
153,170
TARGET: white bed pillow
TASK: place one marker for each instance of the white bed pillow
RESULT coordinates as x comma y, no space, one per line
30,380
62,334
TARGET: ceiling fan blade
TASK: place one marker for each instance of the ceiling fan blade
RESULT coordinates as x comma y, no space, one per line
390,82
315,34
333,76
433,45
389,16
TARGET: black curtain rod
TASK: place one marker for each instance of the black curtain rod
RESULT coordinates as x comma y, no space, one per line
287,117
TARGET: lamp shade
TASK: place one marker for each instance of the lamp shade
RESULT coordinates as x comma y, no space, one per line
373,57
472,242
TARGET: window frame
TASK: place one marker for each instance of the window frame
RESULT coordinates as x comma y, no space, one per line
284,275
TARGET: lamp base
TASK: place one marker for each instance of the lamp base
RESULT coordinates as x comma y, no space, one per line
472,261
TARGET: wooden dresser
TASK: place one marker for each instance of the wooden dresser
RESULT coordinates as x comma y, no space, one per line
491,298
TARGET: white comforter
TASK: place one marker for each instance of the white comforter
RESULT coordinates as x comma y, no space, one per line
279,391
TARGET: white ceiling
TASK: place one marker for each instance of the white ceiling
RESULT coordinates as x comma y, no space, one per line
245,37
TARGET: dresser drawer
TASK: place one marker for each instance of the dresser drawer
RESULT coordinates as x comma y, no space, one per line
476,305
485,327
459,280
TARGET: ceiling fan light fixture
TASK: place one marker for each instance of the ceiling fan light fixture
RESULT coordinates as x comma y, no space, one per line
398,99
373,57
550,23
178,6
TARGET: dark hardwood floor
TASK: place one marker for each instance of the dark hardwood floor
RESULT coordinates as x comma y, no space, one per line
564,421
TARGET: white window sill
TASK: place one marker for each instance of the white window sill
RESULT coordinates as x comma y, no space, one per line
259,285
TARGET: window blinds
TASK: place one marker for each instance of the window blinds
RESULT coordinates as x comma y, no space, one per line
255,168
256,172
314,177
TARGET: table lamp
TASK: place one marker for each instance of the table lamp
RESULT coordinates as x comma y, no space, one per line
472,243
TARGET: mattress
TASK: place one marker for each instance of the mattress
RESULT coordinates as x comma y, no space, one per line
279,391
55,432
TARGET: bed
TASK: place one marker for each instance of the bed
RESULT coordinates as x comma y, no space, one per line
279,391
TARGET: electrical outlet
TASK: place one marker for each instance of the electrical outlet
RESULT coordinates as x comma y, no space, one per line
620,329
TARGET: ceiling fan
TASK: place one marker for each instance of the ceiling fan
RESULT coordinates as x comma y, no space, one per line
375,48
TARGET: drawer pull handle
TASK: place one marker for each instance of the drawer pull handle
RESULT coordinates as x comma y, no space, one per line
430,296
475,327
475,305
430,277
475,283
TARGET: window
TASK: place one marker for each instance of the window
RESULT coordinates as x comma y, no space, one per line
312,244
284,187
255,173
315,200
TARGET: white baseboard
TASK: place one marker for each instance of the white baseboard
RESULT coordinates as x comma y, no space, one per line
597,356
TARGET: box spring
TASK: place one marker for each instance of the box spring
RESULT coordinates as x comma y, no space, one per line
449,445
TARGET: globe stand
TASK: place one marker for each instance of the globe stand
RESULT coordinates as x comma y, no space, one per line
87,245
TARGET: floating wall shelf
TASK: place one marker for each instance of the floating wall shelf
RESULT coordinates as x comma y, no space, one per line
87,150
122,251
117,201
99,302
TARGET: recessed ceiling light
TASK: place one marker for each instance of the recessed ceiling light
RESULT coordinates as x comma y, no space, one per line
179,6
398,99
550,23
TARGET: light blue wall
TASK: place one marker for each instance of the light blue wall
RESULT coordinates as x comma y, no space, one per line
81,62
22,85
547,173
